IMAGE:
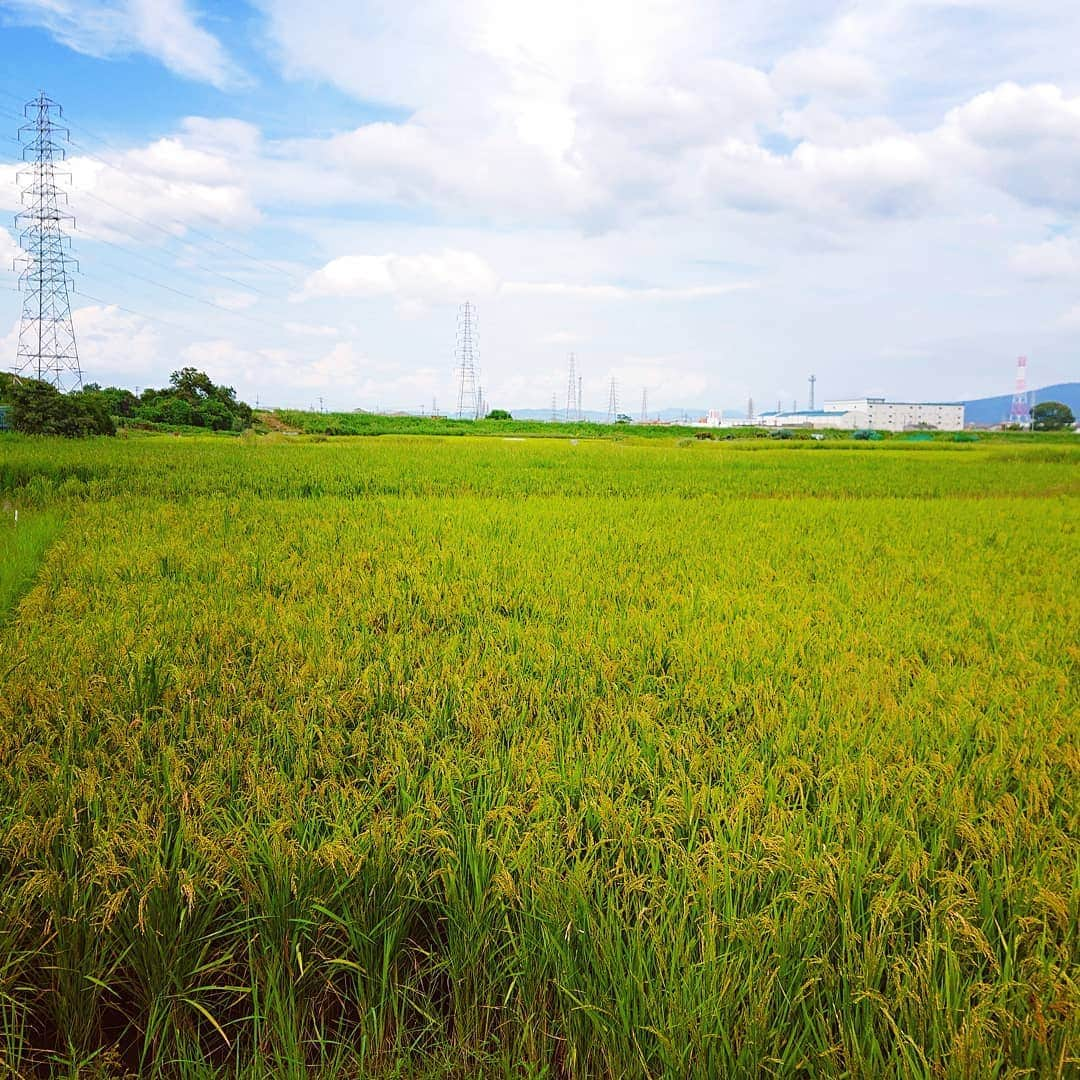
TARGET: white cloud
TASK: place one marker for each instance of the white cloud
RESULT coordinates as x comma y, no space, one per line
311,329
1056,258
235,301
161,190
443,276
1024,140
164,29
114,344
825,74
450,276
619,292
10,255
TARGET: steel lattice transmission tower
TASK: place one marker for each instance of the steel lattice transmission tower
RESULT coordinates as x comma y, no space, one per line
1020,411
572,390
468,405
613,402
47,348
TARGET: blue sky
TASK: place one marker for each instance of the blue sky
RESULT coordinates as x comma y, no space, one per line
710,200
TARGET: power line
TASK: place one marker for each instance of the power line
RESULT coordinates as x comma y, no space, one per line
173,267
179,292
172,236
130,176
131,311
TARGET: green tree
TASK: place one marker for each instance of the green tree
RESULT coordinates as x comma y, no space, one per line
115,401
499,414
192,385
1051,416
38,408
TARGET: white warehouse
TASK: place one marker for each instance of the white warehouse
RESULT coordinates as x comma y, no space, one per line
882,415
839,419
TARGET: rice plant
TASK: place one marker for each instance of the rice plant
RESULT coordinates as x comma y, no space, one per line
407,757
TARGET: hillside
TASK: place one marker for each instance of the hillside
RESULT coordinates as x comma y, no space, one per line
993,410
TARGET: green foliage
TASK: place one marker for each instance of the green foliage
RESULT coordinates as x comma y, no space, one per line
115,401
498,414
7,383
38,408
309,772
192,400
1051,416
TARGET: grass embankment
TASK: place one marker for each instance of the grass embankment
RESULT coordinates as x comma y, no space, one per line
483,758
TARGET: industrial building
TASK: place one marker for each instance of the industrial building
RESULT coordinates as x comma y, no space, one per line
841,420
882,415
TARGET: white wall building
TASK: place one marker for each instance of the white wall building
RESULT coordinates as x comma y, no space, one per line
840,419
882,415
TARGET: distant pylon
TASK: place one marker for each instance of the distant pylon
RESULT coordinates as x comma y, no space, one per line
580,414
1020,412
468,364
47,349
571,390
613,402
554,408
644,405
813,379
750,409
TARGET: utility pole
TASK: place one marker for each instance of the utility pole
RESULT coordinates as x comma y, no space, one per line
750,409
813,379
47,349
571,390
644,405
580,414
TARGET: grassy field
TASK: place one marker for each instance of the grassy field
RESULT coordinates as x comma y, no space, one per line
440,757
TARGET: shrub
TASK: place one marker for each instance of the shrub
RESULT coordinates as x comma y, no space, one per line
38,408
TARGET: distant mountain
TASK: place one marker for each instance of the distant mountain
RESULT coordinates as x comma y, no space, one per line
993,410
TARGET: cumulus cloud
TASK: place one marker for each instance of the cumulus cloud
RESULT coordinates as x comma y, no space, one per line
448,276
1024,140
116,345
166,30
442,276
192,178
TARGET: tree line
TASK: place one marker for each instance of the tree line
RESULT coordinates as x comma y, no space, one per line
191,399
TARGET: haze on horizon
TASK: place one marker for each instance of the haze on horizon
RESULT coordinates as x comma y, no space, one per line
703,200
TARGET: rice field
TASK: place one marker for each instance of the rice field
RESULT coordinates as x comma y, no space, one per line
414,757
